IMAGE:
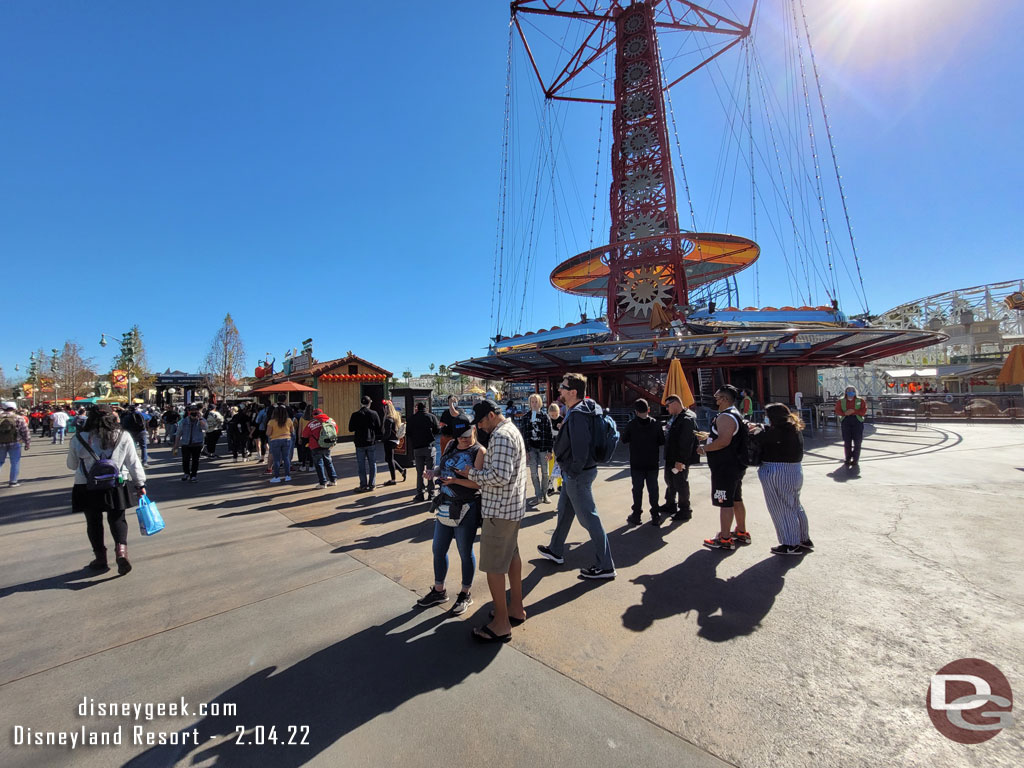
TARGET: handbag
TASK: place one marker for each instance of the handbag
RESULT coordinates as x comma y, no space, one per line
150,521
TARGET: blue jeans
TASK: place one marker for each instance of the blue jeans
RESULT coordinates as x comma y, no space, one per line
424,458
324,466
537,462
142,438
577,499
14,451
464,534
58,435
280,452
366,461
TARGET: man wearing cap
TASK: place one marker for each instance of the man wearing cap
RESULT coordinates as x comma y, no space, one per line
13,434
321,455
420,431
502,481
189,439
680,453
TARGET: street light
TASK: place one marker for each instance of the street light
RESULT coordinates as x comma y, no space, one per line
129,350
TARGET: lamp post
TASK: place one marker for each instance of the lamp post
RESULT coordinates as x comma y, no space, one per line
129,351
33,375
53,372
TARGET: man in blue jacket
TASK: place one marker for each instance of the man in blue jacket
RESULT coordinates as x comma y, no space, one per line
574,452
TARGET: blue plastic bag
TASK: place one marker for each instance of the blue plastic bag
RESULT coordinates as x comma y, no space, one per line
150,521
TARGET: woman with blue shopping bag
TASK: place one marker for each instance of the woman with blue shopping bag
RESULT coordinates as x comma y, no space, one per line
109,478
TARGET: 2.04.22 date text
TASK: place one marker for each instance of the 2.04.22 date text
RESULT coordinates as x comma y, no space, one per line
297,735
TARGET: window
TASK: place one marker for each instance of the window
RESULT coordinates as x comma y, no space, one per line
353,369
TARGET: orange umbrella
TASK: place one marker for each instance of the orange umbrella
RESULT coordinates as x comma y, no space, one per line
1013,368
285,386
676,384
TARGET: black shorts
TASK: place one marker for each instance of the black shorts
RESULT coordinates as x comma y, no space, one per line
727,485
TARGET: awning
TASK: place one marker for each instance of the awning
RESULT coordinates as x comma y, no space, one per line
909,373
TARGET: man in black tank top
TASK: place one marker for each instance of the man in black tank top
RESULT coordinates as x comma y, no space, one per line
722,451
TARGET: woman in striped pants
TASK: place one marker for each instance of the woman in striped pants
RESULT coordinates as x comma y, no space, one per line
782,476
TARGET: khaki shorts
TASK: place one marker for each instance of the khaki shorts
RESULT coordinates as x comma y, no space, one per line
499,543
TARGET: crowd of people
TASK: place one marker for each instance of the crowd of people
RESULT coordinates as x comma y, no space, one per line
478,482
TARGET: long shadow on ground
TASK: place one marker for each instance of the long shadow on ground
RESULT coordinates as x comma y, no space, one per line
333,692
726,608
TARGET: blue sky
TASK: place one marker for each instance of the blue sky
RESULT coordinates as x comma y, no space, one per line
331,169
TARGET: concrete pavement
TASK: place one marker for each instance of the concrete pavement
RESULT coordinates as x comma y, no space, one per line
296,606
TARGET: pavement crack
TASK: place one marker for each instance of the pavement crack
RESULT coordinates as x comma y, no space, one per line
901,505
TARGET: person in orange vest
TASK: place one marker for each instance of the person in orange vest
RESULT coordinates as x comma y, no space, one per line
746,405
852,410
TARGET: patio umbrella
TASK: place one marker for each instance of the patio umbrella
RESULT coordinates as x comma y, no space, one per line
284,386
1013,369
676,384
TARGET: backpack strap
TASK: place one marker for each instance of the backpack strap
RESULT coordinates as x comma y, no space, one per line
78,436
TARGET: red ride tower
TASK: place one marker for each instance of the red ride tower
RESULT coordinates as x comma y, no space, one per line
649,265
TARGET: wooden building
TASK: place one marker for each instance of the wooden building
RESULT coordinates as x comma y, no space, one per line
340,385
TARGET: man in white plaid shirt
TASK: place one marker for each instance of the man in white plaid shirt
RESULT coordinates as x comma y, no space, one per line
502,481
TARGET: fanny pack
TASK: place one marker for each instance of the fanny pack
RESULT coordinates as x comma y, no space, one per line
449,511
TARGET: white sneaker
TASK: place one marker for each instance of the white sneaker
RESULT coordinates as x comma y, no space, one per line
275,479
319,486
331,482
287,478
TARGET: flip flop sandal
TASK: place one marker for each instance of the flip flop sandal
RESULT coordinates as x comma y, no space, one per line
485,634
511,619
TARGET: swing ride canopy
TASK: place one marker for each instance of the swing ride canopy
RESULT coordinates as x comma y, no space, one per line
658,282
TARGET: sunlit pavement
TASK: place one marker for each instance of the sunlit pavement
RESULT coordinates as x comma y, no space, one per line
296,605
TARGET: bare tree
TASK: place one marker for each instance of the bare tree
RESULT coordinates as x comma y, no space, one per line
73,372
225,362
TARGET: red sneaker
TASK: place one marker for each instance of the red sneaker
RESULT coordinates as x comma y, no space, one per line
720,542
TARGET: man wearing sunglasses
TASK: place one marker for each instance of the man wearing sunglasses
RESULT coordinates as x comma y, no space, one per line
722,450
574,452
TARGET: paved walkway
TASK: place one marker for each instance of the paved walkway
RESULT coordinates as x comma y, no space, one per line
295,606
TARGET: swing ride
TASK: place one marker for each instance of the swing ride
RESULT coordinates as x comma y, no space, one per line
665,292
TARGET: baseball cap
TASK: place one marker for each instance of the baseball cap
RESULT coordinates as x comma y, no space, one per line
462,429
484,407
9,405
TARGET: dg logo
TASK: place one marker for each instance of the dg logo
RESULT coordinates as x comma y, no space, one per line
970,701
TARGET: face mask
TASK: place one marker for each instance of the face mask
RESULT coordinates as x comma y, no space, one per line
767,421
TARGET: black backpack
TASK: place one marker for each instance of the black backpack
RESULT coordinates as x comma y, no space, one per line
605,437
103,474
748,452
135,422
8,430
